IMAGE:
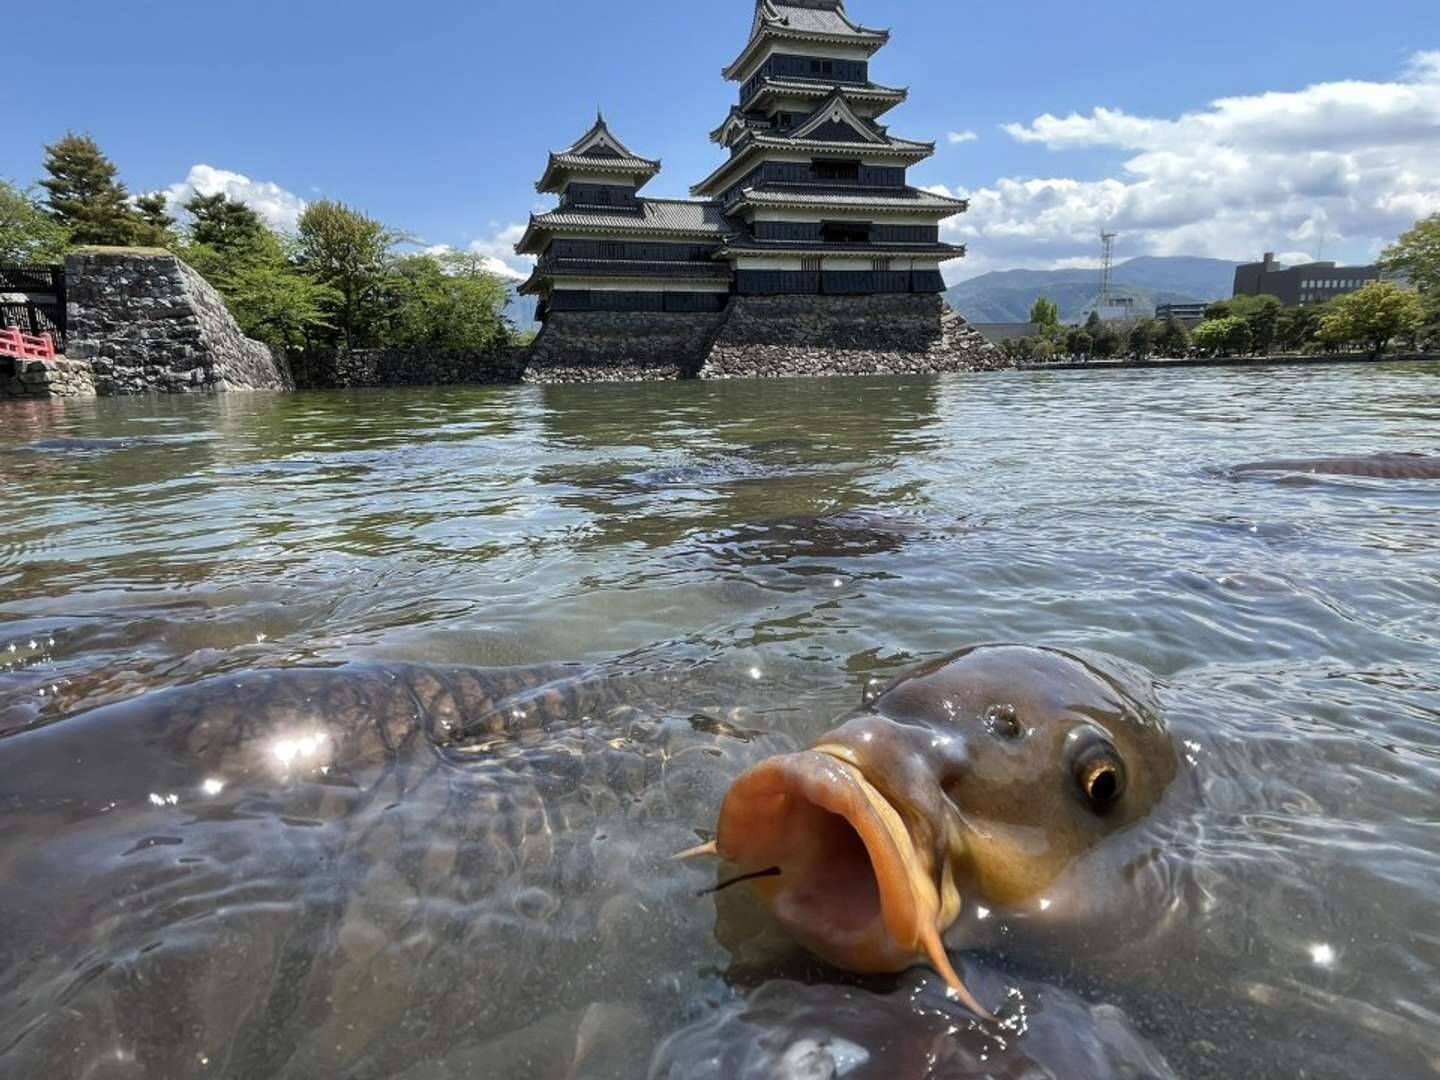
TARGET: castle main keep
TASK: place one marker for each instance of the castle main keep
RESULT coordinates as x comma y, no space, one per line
806,251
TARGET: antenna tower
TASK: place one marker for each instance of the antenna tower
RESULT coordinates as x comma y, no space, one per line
1107,269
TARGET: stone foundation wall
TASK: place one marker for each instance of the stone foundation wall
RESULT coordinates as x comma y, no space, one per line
621,346
368,368
60,377
772,336
147,323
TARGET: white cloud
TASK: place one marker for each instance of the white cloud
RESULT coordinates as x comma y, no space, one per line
955,138
1343,166
499,252
278,208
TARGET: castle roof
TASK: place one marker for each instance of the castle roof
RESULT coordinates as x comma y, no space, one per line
812,21
807,196
597,151
655,218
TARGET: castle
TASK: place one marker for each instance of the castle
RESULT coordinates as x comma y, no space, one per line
805,252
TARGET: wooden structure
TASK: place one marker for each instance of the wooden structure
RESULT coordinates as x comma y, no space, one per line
22,346
32,300
813,198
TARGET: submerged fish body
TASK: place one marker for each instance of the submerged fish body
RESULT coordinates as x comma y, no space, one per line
1376,466
790,1031
353,871
975,780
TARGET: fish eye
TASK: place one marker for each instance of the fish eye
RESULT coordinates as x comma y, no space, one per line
1101,776
1003,722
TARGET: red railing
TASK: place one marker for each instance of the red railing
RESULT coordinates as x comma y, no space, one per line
26,346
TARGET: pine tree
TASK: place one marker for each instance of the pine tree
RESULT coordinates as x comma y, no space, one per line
84,195
219,222
156,226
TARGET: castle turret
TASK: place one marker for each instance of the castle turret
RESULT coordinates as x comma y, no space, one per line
815,184
607,248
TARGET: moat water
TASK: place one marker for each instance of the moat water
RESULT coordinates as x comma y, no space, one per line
753,552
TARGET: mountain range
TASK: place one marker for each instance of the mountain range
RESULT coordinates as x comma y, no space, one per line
1008,295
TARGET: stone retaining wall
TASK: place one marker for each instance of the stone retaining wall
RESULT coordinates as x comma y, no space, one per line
60,377
148,323
367,368
621,346
771,336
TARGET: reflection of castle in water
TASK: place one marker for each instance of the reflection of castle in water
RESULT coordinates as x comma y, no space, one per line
734,469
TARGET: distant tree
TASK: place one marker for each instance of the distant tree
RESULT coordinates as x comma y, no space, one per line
1078,343
350,252
1108,343
445,302
1416,255
1427,334
85,197
1298,328
223,224
1172,339
155,227
1263,315
1373,317
27,233
1220,309
1092,324
1043,350
1045,312
1223,337
1239,337
1142,339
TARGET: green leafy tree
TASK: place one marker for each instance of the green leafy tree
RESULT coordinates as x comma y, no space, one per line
1373,317
1220,309
224,224
1093,323
1172,339
1142,339
1079,343
1427,334
1263,315
85,196
1223,337
1297,328
1043,350
1045,313
274,303
351,253
1108,343
1417,255
445,302
1239,337
27,233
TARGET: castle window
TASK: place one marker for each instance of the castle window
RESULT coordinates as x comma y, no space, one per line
845,232
837,170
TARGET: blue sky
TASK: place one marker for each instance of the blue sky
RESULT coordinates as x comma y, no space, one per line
436,116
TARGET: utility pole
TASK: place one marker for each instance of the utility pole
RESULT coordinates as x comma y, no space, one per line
1107,299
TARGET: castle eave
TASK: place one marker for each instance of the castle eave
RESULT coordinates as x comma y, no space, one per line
907,201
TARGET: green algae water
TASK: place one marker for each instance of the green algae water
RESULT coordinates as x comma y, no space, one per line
746,556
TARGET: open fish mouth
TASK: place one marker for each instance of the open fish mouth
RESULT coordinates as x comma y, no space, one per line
851,886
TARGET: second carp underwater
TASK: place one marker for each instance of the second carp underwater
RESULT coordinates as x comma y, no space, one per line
976,779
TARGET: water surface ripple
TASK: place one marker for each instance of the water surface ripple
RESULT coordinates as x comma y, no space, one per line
751,554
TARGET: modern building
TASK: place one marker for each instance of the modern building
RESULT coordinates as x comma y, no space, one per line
1185,313
1301,286
812,200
